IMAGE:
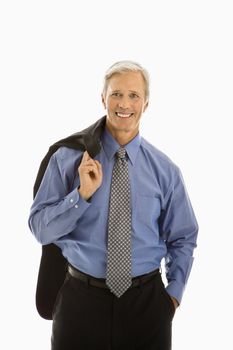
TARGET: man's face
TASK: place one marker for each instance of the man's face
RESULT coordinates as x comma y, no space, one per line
125,102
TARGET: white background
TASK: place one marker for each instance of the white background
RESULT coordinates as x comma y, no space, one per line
53,58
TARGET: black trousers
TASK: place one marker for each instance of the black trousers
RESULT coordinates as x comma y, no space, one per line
92,318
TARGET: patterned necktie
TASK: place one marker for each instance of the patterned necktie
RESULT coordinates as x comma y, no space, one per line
119,228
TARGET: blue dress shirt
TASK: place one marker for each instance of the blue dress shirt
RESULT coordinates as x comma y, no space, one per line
163,221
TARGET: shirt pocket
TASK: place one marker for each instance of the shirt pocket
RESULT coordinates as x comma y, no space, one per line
148,210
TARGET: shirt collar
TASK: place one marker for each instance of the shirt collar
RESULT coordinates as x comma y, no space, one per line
110,145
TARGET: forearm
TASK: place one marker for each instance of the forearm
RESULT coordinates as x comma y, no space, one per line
52,221
178,262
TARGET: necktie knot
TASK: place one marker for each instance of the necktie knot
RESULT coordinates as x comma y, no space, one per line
121,153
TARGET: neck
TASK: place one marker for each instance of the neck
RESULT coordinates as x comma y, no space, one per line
122,136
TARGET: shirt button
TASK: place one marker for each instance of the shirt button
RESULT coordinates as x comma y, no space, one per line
76,206
71,200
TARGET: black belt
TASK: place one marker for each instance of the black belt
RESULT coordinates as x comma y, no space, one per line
100,282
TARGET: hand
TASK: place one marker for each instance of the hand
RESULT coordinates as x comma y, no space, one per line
175,302
90,173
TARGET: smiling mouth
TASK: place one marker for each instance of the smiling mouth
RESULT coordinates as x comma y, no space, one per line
123,115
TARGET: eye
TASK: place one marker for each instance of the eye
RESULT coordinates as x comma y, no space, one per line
116,94
133,95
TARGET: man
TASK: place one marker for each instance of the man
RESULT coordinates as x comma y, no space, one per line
115,217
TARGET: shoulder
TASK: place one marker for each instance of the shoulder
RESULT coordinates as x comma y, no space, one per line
64,153
160,166
158,158
67,160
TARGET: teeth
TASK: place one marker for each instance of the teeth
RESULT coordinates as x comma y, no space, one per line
121,115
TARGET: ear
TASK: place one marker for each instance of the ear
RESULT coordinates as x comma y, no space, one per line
103,101
145,106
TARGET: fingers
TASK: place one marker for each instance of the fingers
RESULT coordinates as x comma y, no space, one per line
88,161
96,168
86,157
90,165
90,168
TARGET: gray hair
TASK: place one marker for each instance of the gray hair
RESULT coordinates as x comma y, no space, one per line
127,66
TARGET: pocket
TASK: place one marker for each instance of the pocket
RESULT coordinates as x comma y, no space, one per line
59,294
167,299
148,209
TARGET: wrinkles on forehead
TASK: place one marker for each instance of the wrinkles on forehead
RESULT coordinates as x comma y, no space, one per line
127,82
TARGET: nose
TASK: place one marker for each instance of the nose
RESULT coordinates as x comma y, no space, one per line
124,102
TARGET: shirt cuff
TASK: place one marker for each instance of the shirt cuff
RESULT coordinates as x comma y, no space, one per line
176,289
74,200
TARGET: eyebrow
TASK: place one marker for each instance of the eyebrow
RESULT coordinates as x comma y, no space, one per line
135,92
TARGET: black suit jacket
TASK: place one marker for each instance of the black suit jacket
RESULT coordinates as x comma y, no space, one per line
52,268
